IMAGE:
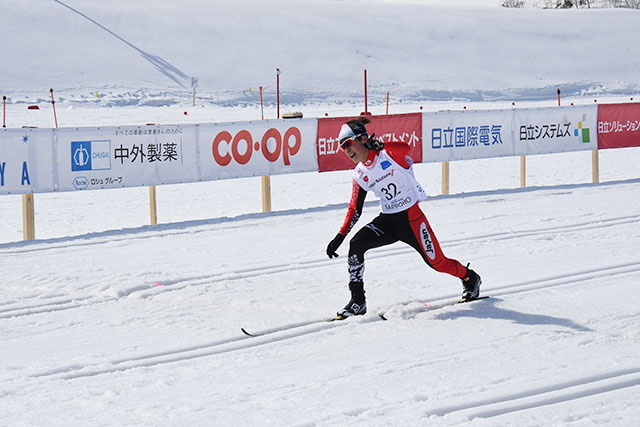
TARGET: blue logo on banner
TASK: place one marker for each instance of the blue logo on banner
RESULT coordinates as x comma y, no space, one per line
385,164
90,155
80,156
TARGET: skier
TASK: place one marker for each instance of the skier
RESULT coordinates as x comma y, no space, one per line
387,171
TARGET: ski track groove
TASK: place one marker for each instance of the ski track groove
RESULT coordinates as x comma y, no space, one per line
145,291
242,342
512,289
110,237
67,304
296,330
582,387
62,304
518,288
546,395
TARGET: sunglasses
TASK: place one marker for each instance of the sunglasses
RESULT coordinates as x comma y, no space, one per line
348,142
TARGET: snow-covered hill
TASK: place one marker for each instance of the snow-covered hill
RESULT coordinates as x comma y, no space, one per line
144,53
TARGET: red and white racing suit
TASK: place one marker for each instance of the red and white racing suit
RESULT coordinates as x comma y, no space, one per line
389,174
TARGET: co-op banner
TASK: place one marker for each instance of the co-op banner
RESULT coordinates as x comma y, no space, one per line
618,125
112,157
25,161
462,135
259,148
555,129
406,128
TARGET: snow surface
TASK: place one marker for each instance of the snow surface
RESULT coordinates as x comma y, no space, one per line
108,321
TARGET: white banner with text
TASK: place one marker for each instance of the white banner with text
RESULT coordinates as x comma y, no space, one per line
111,157
26,164
555,129
70,159
260,148
463,135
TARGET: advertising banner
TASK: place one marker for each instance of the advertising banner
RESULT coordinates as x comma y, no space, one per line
260,148
405,128
112,157
26,161
462,135
555,129
618,125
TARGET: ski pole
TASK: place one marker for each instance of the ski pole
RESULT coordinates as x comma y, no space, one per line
53,103
4,111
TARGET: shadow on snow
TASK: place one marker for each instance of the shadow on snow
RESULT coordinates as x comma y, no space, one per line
488,310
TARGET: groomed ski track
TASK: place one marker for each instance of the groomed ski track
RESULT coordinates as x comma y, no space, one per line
164,321
56,302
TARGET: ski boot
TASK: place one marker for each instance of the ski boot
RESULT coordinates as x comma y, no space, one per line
471,284
357,306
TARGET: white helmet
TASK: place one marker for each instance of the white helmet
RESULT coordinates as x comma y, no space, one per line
351,130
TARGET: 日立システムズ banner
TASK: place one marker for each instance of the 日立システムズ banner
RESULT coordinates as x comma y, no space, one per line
555,129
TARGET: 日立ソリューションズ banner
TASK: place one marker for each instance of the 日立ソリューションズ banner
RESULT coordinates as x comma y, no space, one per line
259,148
405,128
26,164
618,125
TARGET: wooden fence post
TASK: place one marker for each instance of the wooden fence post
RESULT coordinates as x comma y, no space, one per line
266,194
28,217
523,171
595,160
445,178
153,206
266,180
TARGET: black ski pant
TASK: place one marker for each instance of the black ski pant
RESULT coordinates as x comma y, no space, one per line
411,227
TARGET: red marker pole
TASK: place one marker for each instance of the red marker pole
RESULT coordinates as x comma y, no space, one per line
558,97
53,103
4,110
387,103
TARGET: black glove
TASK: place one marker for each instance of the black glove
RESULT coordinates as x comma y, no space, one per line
333,245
